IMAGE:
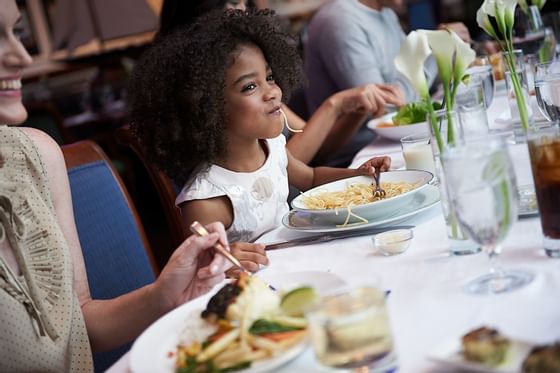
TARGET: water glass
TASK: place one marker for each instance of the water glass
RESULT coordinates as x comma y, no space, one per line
352,330
544,150
484,75
451,135
470,102
486,205
547,87
417,152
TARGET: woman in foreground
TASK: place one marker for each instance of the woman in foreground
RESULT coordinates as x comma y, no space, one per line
48,320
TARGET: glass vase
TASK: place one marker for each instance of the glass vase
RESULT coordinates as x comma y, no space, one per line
445,125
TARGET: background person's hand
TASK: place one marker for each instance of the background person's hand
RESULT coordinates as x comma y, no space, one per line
366,99
392,94
459,27
194,268
251,256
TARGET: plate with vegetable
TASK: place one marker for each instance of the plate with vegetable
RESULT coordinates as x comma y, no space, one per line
243,327
409,119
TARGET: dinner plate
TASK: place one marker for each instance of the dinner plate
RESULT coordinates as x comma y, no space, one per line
305,222
322,282
396,132
372,210
154,350
449,353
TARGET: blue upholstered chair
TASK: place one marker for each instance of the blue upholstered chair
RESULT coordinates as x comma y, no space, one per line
117,255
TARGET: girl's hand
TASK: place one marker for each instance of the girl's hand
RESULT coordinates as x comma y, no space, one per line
251,256
368,168
194,268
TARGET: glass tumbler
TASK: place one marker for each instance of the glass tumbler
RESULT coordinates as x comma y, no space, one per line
351,330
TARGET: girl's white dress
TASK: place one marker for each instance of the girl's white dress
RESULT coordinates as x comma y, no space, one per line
259,198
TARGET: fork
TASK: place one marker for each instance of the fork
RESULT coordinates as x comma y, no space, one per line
378,192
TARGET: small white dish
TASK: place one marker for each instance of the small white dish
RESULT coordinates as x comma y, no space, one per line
393,242
395,132
449,354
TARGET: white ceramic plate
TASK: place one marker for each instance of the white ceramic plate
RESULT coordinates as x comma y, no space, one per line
151,351
449,353
371,210
322,282
396,132
305,222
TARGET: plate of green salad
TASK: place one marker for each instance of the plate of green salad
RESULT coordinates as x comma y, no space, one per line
409,119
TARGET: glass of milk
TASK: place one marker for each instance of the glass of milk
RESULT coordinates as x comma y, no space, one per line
417,152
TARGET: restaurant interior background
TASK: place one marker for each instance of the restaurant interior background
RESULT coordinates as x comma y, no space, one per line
83,51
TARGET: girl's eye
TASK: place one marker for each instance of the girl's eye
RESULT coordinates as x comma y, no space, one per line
19,32
270,78
249,87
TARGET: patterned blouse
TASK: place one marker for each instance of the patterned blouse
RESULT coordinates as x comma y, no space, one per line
41,323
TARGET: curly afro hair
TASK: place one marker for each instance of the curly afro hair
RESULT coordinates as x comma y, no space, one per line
176,90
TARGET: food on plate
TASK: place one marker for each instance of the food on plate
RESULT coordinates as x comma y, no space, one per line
354,195
414,112
543,359
485,345
296,302
242,323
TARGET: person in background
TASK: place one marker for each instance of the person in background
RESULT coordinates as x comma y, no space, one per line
354,42
206,104
335,120
48,321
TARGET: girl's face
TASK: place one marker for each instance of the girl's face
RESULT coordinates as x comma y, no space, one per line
13,58
252,98
236,4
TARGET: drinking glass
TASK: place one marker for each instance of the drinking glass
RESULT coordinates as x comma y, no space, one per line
528,30
544,150
417,152
470,103
547,86
482,189
484,75
352,330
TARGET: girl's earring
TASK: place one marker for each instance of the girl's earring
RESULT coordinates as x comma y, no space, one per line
287,125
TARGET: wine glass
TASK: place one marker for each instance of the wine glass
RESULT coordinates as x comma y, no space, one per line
480,181
547,87
528,30
351,330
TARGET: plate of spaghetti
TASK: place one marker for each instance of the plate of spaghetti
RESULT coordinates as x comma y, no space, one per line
351,201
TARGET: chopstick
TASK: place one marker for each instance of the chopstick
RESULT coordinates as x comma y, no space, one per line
199,229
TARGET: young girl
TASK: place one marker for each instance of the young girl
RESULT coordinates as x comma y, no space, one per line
206,102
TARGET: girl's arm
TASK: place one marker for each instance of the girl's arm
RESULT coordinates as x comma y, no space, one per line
110,323
304,177
338,119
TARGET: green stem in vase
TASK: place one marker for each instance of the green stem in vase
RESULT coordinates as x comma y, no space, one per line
518,90
433,123
448,109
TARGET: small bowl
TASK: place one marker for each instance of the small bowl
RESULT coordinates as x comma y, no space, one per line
393,242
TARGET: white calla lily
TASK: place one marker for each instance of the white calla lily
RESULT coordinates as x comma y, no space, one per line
443,48
464,56
410,61
523,4
484,23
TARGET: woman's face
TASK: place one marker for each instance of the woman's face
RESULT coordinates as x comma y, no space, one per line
13,58
236,4
252,97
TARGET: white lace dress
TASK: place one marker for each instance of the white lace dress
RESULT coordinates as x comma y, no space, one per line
258,198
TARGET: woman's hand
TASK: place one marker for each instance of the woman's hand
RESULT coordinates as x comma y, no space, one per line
251,256
368,99
194,268
368,167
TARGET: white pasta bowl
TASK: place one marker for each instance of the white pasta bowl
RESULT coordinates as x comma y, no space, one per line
372,210
395,132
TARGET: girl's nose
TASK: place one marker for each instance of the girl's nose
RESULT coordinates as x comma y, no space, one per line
273,92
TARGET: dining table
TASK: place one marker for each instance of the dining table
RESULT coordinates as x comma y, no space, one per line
427,305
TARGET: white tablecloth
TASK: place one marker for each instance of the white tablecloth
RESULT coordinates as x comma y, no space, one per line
427,304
